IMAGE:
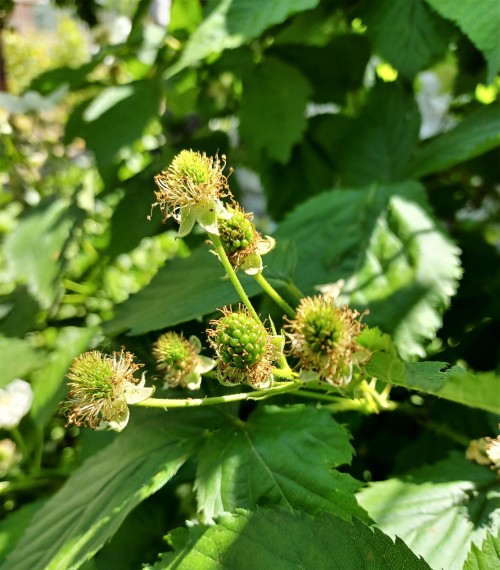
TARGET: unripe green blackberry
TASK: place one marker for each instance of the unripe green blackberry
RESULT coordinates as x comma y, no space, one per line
241,340
238,232
245,349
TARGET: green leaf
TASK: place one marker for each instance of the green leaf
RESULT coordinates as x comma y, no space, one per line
281,456
452,503
379,144
87,511
184,289
384,243
479,25
475,135
17,358
286,541
479,390
129,108
14,524
18,313
49,384
273,108
35,249
407,34
231,23
487,556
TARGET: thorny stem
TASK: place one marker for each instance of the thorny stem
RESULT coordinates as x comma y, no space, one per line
275,296
219,249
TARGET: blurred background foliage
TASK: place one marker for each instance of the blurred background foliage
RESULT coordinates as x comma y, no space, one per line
364,133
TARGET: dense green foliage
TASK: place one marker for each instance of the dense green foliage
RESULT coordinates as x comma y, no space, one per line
373,128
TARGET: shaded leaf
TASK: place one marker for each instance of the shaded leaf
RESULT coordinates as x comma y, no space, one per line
454,498
273,108
281,456
184,289
485,557
35,249
87,511
284,541
384,243
479,25
379,144
407,34
18,313
14,524
475,135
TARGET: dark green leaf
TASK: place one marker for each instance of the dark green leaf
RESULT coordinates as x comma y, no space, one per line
384,243
88,510
286,541
184,289
487,556
18,313
35,249
455,501
407,34
14,524
281,456
479,23
273,108
475,135
381,141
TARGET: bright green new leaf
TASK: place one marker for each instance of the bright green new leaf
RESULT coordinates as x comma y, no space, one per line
438,510
485,557
478,390
285,540
273,108
18,357
184,289
406,33
475,135
231,23
35,249
282,456
395,260
88,510
480,22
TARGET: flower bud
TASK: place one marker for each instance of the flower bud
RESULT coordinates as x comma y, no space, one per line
323,339
179,360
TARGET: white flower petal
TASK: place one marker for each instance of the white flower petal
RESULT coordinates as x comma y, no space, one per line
222,212
195,342
134,394
207,218
15,402
192,381
204,365
265,245
252,264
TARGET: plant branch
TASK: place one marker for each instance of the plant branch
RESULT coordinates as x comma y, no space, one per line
275,296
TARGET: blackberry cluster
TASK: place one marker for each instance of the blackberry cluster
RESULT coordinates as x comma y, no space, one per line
236,233
240,340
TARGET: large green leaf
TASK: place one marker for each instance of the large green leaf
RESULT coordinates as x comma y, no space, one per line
384,243
88,510
480,390
273,109
35,249
49,384
438,510
285,540
128,108
479,22
379,144
231,23
14,524
18,357
281,456
487,556
475,135
184,289
406,33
